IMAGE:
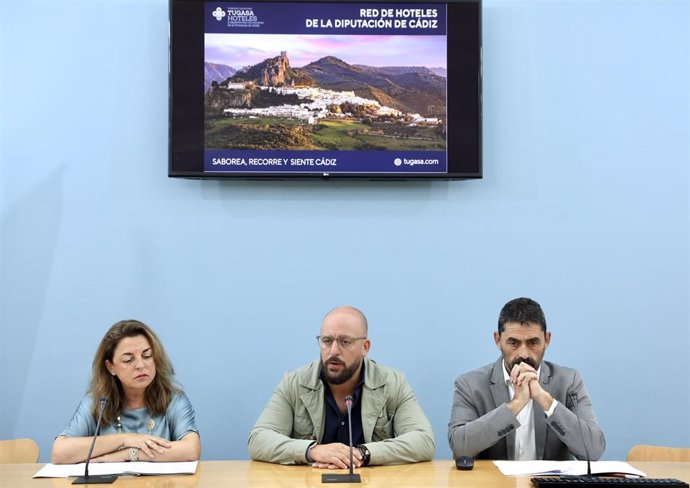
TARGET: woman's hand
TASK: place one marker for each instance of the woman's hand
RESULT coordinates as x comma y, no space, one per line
149,445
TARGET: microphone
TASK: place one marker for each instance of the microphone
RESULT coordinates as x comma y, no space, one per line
348,404
350,477
573,397
95,478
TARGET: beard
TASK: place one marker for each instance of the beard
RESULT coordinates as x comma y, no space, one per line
345,374
529,361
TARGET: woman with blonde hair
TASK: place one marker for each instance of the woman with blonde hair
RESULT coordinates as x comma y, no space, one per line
147,417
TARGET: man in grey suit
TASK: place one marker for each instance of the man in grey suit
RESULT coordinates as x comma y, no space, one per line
521,407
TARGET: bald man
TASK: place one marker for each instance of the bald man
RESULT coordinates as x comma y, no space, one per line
305,421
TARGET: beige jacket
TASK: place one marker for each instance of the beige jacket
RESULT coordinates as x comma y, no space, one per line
396,431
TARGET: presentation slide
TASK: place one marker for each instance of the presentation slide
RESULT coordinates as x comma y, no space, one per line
325,87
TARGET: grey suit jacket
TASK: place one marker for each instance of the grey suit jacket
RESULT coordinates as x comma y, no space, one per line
396,431
482,425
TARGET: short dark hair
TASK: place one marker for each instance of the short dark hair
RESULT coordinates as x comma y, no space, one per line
521,310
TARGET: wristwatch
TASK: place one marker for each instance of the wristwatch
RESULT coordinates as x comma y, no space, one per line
308,452
133,454
366,455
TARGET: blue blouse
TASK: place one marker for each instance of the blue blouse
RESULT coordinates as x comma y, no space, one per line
177,421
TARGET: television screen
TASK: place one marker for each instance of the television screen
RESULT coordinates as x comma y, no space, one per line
325,89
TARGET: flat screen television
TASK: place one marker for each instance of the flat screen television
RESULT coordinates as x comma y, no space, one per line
325,89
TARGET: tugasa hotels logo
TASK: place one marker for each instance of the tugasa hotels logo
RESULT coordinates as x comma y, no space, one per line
237,16
242,17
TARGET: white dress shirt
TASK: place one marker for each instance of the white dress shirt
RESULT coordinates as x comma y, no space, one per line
525,444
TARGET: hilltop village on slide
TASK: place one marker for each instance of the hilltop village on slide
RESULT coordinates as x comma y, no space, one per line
274,89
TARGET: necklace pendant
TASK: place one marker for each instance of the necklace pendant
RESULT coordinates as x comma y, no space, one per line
150,424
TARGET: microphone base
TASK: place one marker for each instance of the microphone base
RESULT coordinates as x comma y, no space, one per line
341,478
96,479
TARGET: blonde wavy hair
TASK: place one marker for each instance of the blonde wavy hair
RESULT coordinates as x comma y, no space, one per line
158,394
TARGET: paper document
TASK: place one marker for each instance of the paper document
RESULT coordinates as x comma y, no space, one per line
524,468
134,468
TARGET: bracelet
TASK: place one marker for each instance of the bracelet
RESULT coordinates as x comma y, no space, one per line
133,454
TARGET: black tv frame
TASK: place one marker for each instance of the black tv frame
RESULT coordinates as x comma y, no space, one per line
186,99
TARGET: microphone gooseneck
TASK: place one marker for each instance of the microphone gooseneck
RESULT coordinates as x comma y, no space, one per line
95,479
573,397
101,408
348,404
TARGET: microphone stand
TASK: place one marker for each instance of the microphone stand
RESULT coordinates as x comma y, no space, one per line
350,477
99,479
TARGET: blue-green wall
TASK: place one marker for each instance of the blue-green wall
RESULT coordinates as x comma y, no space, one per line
584,207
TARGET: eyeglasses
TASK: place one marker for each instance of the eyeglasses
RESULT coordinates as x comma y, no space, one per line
344,342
